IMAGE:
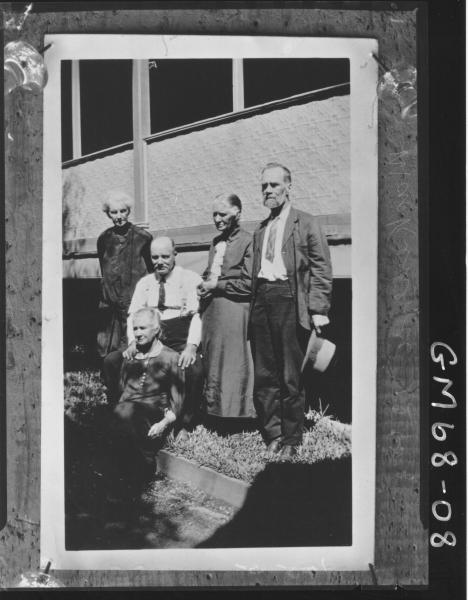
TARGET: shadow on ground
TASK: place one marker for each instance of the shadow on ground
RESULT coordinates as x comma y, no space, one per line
292,505
287,505
166,514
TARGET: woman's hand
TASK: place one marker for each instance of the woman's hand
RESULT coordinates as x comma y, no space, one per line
205,288
158,428
210,284
201,292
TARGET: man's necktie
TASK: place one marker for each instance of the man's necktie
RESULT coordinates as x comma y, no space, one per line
162,294
270,249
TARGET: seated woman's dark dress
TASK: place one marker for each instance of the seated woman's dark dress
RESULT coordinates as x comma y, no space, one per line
150,385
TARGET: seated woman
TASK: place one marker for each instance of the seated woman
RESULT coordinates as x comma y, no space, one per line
225,296
151,398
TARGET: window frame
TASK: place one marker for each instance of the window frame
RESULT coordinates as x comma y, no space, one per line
141,123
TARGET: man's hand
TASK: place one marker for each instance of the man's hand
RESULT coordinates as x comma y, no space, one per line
158,428
187,356
319,321
130,352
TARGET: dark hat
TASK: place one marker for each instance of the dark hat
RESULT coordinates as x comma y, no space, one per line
319,353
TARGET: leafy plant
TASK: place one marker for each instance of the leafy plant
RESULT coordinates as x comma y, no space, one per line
85,398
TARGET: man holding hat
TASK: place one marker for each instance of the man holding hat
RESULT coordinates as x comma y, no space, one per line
291,290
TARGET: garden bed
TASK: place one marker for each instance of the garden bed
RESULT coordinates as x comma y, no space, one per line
241,456
219,486
211,468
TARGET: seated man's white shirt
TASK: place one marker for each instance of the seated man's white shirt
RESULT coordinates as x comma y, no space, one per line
181,299
275,270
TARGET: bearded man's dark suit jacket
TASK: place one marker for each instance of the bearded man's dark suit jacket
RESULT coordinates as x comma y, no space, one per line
280,323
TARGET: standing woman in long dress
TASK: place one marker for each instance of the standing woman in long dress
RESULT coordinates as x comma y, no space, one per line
225,297
124,256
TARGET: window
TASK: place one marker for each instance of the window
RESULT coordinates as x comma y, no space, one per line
271,79
66,101
106,104
181,92
186,91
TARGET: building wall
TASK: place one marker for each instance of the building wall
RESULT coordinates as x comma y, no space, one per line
186,172
84,186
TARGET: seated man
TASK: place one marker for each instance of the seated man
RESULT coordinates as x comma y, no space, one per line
173,291
151,385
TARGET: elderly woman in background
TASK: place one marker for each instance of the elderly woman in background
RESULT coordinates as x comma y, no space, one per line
225,296
124,255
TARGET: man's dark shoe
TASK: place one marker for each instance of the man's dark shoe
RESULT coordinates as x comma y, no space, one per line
274,446
288,452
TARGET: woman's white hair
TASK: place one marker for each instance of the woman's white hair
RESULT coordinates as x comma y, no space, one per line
153,314
116,197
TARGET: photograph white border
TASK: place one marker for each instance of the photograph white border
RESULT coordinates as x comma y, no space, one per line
364,212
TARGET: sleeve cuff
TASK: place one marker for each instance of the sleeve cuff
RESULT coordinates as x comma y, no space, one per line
194,334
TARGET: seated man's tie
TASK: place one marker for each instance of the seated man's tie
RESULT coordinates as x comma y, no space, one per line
162,294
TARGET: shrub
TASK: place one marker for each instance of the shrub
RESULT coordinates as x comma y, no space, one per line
85,398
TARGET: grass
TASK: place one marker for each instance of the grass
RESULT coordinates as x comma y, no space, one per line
241,456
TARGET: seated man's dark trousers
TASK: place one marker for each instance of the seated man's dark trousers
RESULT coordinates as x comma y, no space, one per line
174,335
278,349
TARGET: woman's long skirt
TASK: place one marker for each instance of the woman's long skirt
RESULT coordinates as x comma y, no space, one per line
227,359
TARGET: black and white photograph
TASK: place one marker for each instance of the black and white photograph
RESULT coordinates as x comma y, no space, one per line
234,298
209,302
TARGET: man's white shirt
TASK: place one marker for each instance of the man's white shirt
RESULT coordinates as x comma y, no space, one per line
275,270
181,299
